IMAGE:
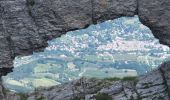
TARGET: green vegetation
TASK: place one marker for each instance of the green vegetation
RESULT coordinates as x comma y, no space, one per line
30,2
78,84
147,85
112,79
22,96
40,98
76,98
161,98
132,98
102,96
5,91
128,78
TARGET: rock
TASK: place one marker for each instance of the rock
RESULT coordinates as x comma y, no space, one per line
120,96
2,96
110,9
129,89
155,14
149,80
5,56
113,89
165,69
13,96
152,85
26,26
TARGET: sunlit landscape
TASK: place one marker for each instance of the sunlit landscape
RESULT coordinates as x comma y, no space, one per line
115,48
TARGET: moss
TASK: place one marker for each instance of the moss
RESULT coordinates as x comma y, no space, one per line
102,96
30,2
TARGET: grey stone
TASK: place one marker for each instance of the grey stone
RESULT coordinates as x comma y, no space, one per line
26,27
155,14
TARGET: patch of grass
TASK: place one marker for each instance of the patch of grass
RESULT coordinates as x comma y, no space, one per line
112,79
128,78
102,96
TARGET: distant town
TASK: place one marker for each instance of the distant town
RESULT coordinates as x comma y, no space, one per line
116,48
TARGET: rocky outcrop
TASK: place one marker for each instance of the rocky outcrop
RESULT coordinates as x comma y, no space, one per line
155,14
152,86
26,25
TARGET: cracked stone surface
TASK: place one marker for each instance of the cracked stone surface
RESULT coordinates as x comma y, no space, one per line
27,25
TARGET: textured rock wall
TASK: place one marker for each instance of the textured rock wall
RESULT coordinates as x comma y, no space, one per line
155,14
26,25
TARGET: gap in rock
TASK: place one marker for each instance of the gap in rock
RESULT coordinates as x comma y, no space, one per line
115,48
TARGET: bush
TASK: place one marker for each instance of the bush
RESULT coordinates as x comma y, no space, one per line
40,98
102,96
130,78
112,79
76,98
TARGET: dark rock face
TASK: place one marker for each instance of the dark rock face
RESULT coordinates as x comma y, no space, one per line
26,25
155,14
110,9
